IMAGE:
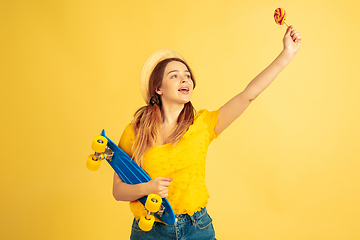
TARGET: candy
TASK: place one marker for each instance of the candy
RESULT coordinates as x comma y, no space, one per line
280,16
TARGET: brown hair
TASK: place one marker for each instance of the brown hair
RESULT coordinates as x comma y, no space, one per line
147,119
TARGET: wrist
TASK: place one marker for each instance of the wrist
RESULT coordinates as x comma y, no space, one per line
287,53
143,189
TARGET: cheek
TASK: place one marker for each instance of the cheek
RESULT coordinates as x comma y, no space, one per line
166,87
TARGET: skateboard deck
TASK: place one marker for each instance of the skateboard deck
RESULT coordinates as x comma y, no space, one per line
131,173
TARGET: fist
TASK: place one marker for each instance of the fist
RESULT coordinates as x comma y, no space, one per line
159,186
292,40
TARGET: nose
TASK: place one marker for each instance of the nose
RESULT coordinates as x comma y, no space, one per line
184,79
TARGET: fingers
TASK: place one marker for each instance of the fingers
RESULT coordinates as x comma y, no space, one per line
288,30
294,34
161,185
164,193
165,182
163,190
165,179
296,37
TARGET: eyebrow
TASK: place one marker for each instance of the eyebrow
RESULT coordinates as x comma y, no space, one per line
176,71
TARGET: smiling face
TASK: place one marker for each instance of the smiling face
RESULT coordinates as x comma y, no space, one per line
176,86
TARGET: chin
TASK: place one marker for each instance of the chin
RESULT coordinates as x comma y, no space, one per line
186,101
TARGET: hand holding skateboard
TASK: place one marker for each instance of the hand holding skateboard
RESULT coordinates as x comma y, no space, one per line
131,173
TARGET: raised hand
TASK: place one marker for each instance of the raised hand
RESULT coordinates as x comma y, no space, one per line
292,40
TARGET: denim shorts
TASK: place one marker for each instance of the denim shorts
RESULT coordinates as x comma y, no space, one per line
196,227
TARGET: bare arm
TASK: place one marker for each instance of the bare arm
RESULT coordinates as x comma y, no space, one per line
238,104
127,192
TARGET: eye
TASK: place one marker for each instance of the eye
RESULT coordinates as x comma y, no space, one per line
188,76
174,76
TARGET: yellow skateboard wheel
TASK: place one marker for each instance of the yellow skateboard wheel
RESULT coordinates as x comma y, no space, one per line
93,163
153,203
146,222
99,144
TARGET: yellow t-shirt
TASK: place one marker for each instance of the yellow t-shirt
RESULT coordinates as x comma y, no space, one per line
184,162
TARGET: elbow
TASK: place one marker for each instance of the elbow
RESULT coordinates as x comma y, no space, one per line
116,195
252,97
251,93
248,96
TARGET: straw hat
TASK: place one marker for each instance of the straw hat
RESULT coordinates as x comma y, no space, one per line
149,66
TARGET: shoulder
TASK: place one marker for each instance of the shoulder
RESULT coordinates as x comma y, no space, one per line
207,119
127,139
129,130
207,116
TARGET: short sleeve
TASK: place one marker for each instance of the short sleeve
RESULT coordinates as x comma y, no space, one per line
211,119
127,140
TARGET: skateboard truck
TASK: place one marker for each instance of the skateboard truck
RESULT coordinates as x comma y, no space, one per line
161,210
102,152
107,155
152,205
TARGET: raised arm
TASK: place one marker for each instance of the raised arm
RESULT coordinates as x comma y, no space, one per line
237,105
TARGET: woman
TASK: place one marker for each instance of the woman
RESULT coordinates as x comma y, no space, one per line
170,141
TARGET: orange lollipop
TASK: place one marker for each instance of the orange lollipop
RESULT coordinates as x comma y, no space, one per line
280,16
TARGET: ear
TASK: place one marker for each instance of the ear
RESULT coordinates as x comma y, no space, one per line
158,91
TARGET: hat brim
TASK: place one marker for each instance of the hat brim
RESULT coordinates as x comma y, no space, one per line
149,66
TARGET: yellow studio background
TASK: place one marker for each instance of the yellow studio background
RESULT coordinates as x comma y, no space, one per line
287,169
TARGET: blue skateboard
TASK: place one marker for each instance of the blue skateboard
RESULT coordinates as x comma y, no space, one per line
130,173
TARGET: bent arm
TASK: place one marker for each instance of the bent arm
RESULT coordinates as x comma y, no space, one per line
238,104
127,192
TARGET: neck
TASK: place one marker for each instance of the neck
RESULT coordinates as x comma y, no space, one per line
170,114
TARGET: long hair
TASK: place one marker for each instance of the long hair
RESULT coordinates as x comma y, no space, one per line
147,119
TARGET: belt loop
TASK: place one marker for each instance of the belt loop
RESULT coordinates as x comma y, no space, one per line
192,220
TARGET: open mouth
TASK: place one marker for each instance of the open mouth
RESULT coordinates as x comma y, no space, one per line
184,90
